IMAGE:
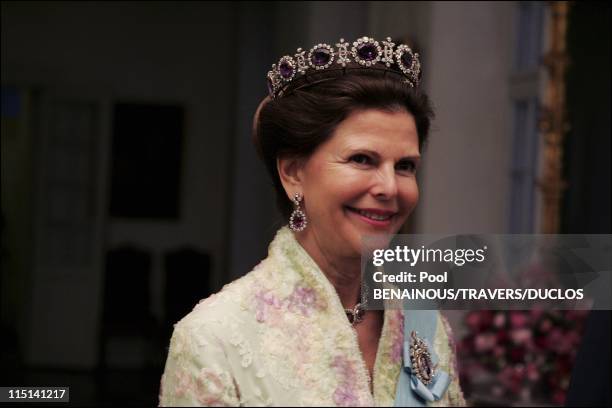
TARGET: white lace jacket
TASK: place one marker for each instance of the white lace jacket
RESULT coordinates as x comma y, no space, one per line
279,336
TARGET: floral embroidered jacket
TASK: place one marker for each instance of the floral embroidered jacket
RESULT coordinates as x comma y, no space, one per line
279,336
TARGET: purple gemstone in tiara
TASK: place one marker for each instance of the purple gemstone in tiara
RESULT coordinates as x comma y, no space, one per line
407,59
408,62
367,52
286,68
321,56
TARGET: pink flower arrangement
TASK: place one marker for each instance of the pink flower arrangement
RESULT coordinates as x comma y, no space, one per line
526,355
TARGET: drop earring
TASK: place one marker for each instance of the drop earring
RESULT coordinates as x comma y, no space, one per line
297,221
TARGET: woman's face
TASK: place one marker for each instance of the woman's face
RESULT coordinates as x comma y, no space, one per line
361,181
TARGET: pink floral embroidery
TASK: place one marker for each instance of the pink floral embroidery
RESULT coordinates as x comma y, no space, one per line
303,300
451,343
183,383
345,394
344,397
210,389
397,328
264,301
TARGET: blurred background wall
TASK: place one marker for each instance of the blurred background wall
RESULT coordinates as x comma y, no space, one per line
77,268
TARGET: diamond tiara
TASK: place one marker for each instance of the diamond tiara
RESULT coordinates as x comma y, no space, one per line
365,51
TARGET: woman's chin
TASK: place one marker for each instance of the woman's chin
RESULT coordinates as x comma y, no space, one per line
370,240
378,241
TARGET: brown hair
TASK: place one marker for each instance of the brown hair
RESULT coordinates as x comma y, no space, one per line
306,116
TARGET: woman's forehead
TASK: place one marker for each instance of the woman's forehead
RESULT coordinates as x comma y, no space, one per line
376,121
376,129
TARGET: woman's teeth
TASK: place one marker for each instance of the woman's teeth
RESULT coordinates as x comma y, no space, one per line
372,216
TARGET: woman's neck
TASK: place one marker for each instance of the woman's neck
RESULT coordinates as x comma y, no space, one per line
343,273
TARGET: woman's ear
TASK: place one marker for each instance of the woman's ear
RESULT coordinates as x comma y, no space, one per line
290,173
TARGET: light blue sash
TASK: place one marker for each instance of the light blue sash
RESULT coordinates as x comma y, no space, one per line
411,392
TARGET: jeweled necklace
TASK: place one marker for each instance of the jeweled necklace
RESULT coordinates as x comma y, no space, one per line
357,313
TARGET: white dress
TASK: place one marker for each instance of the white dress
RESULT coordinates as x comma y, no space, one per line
279,336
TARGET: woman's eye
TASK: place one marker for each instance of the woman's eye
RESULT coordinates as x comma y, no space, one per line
406,165
360,159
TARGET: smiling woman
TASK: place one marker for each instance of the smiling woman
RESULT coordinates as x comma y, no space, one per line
341,136
359,182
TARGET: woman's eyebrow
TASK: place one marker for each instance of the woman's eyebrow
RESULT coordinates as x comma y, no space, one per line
366,150
411,157
374,153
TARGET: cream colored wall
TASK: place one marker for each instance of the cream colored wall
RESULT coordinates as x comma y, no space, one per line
467,60
466,179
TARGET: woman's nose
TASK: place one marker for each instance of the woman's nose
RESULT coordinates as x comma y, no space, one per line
385,184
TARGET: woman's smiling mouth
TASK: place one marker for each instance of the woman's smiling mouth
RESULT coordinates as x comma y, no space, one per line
373,216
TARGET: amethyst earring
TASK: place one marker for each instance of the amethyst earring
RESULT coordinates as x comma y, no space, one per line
297,221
